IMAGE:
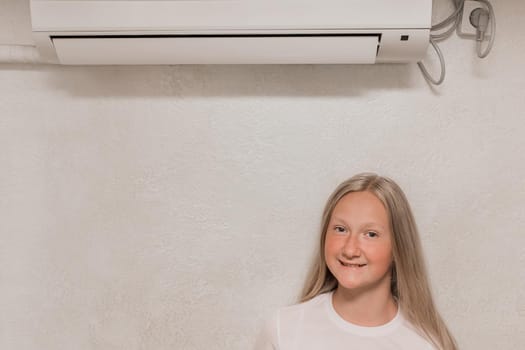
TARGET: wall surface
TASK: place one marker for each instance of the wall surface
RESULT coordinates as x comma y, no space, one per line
173,207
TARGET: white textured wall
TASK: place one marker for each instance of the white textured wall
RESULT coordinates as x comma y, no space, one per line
172,207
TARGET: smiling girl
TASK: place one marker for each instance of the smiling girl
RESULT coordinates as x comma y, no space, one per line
368,288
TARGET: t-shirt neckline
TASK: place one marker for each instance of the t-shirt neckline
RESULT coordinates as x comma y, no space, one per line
360,330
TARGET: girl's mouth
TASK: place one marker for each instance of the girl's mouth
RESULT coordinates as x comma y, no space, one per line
354,265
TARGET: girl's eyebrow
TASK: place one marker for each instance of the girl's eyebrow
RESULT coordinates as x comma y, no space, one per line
366,224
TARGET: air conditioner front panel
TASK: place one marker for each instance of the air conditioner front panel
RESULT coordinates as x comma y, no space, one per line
191,15
159,32
254,49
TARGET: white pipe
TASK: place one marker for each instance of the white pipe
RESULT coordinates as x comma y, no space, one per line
20,54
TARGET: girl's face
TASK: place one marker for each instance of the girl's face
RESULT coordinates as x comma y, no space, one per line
358,243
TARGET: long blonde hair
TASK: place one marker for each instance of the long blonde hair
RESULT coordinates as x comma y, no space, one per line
409,284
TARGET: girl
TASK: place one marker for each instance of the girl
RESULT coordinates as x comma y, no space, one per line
367,288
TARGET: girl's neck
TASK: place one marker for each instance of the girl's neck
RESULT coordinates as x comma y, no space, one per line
365,308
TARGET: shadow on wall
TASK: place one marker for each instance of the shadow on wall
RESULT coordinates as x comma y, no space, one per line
227,80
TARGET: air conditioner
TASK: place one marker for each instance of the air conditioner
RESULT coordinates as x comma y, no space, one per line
109,32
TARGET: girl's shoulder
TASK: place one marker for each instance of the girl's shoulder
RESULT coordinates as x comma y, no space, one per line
306,306
288,318
281,323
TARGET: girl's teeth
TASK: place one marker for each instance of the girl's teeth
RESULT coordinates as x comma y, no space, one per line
353,265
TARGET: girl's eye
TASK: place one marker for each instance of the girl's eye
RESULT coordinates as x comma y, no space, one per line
371,234
339,229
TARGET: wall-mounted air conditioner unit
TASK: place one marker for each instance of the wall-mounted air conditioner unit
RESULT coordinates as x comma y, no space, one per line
231,32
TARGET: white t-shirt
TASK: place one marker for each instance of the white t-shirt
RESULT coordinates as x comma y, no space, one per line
315,325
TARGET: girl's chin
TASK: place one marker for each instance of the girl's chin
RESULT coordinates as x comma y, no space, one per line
350,286
359,282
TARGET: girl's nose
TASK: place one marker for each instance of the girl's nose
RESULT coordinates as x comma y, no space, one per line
351,247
